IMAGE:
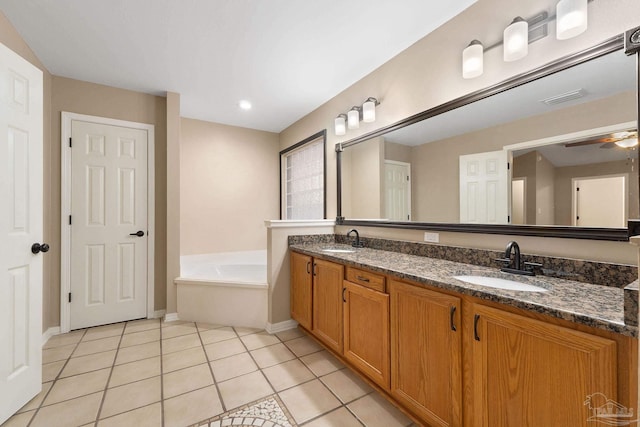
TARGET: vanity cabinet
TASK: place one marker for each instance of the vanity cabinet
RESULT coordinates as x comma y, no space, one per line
327,303
526,372
366,324
301,289
426,353
455,360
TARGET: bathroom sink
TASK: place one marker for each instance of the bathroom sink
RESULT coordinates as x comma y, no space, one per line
338,251
499,283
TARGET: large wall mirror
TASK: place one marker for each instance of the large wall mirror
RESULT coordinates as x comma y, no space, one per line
553,152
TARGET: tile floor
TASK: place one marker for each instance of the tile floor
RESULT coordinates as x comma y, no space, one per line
150,373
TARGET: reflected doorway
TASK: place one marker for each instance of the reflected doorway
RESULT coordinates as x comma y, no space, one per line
600,201
397,185
519,201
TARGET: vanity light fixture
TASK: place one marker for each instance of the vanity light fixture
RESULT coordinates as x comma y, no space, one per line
369,110
472,60
571,18
516,40
340,125
353,117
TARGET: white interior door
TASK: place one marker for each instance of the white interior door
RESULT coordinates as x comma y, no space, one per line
397,184
600,202
20,227
108,265
484,188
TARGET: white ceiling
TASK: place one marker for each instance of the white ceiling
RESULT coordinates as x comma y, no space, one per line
287,57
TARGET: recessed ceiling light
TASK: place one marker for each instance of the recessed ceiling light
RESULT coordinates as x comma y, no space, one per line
244,105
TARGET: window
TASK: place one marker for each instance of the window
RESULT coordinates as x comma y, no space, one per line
302,188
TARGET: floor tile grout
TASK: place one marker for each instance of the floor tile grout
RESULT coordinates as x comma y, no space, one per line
251,346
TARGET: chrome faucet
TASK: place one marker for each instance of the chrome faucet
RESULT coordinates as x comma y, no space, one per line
357,243
515,266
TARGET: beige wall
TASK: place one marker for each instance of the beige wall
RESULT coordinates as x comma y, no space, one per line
397,152
545,190
229,185
525,167
429,73
363,173
173,202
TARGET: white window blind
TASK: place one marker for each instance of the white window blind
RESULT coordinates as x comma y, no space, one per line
303,176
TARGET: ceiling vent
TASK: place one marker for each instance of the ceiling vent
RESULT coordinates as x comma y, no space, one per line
564,97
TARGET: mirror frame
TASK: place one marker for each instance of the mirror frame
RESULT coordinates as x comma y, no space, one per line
592,233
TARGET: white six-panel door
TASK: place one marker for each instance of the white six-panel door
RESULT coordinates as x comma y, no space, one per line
397,184
108,264
21,216
484,188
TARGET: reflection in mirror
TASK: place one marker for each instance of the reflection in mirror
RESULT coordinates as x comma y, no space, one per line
548,152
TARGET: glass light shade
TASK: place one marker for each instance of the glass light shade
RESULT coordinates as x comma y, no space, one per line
571,18
627,143
369,111
472,60
353,119
516,40
340,126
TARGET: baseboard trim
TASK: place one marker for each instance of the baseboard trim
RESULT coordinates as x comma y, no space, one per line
49,333
157,314
171,317
274,328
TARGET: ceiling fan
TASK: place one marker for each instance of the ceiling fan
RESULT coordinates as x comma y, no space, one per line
625,139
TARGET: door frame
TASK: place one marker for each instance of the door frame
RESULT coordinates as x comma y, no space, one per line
65,243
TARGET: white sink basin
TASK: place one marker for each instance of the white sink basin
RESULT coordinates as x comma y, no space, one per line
495,282
339,251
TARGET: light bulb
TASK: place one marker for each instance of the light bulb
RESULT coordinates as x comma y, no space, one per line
472,60
339,125
571,18
516,40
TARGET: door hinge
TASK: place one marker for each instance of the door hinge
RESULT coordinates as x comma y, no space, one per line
69,219
407,177
69,296
509,218
69,142
578,189
508,165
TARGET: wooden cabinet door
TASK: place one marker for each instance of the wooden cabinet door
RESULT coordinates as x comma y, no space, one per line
327,303
301,289
366,331
426,353
531,373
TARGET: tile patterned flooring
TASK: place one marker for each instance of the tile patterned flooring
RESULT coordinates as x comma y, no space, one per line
151,373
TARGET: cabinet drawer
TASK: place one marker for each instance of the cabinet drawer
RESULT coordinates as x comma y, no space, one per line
367,279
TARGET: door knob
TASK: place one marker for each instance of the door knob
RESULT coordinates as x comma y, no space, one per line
37,248
139,233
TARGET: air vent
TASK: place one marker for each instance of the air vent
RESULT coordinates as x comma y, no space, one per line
564,97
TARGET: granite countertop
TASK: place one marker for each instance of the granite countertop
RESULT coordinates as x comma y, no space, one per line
598,306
